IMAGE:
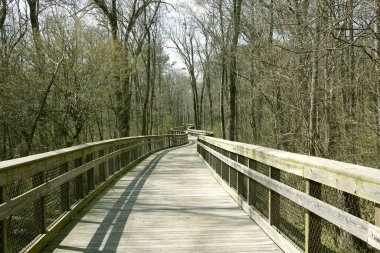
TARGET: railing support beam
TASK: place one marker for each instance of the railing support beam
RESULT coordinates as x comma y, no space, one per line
313,228
377,221
273,199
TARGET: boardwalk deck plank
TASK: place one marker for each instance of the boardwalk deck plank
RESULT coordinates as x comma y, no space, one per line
168,203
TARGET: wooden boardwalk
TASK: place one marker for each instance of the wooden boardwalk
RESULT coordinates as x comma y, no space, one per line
169,203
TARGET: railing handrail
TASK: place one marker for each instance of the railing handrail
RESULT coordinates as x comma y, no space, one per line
95,165
360,181
200,132
179,130
188,129
352,176
23,161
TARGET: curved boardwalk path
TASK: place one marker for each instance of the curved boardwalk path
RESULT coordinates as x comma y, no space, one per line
169,203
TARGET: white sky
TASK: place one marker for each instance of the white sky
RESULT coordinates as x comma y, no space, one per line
171,19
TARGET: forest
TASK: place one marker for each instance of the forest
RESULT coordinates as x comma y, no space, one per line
301,76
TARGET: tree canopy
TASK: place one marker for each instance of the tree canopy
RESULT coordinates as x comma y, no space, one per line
301,76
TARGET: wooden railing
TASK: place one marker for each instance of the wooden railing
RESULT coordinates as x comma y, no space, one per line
306,204
41,193
188,129
178,130
194,132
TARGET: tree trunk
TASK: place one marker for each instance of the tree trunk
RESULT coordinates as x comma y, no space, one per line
99,124
271,25
208,83
315,188
125,112
377,82
147,91
222,90
201,103
4,150
123,96
224,70
3,13
34,21
233,69
153,86
194,89
315,36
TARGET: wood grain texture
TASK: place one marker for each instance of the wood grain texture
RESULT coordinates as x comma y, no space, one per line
194,132
358,180
16,169
350,223
13,205
168,203
280,240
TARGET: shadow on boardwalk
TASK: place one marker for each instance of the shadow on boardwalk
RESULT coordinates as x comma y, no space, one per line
169,203
118,214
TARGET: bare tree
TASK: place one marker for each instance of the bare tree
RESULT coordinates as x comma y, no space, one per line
184,40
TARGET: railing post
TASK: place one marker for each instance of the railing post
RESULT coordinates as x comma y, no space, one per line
307,221
43,206
39,207
79,181
273,199
4,223
237,176
64,190
270,199
248,179
377,221
312,222
229,170
91,174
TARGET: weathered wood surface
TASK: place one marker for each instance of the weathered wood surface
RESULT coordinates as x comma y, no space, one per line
350,223
195,132
169,203
357,180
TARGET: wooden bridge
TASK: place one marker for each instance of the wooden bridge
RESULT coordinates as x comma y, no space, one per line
180,193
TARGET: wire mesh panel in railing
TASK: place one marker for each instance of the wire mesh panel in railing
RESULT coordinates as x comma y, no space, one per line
242,180
25,225
233,173
258,193
333,238
315,205
287,216
38,191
